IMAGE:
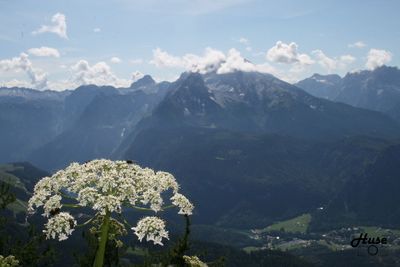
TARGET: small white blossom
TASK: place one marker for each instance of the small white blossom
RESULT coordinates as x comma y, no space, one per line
60,226
88,196
43,189
183,203
151,227
53,203
167,180
110,203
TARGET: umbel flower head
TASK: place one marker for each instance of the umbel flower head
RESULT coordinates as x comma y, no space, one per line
106,187
153,228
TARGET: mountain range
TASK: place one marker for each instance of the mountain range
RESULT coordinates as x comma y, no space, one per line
249,148
377,89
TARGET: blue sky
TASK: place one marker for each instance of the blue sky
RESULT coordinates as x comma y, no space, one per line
62,44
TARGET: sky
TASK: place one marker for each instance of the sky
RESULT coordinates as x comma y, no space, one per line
62,44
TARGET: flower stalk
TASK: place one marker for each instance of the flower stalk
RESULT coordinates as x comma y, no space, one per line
99,260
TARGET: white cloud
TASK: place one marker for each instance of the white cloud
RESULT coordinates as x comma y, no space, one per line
96,30
15,83
81,73
288,54
377,58
115,60
98,74
358,44
305,59
44,51
59,26
208,62
325,61
347,59
163,59
234,62
331,64
211,60
22,63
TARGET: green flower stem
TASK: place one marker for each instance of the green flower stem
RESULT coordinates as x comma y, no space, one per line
99,260
72,206
141,209
85,223
168,207
147,209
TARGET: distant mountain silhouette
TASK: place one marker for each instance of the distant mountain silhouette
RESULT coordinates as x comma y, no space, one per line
377,90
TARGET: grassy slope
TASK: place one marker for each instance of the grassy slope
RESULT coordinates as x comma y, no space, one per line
19,205
298,224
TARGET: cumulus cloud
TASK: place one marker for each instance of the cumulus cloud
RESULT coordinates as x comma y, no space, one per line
234,61
211,60
287,54
325,61
377,58
58,26
115,60
331,64
163,59
81,73
22,63
98,74
347,59
44,51
358,44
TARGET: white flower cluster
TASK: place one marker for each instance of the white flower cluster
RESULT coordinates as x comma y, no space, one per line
9,261
61,225
185,207
104,185
194,261
153,228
